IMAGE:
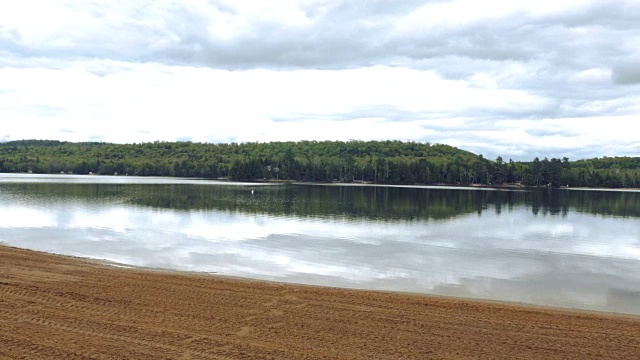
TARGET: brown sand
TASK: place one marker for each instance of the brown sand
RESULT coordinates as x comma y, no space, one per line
55,307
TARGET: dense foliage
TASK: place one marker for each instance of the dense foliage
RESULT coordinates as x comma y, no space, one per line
389,162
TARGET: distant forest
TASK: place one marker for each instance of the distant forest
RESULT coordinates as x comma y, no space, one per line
383,162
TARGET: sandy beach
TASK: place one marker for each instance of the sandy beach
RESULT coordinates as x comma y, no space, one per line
56,307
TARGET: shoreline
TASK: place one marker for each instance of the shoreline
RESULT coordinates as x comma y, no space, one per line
517,304
204,274
56,306
503,187
169,271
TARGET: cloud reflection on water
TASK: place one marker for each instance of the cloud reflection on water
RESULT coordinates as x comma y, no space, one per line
577,260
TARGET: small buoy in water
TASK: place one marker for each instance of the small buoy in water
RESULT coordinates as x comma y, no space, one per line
251,192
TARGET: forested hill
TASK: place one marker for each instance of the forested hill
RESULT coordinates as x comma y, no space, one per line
390,162
377,161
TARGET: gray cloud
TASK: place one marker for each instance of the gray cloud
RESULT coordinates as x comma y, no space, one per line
343,35
97,138
336,35
627,74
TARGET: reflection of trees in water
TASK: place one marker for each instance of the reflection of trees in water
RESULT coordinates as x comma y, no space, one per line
550,202
608,203
373,202
315,201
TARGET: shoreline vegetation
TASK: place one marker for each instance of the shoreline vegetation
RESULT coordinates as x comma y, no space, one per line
367,162
55,306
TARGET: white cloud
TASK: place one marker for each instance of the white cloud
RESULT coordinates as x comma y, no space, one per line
518,79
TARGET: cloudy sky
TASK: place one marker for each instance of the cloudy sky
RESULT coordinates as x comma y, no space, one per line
514,78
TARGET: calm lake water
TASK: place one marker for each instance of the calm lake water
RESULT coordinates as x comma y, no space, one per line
567,248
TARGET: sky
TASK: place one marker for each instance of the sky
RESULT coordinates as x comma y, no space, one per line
516,79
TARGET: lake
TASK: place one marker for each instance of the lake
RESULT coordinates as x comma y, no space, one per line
554,247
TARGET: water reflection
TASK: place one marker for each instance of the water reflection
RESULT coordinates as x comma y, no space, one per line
371,202
561,248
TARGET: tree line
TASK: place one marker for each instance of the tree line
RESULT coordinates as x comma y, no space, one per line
383,162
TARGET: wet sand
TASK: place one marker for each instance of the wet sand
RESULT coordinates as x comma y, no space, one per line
55,307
